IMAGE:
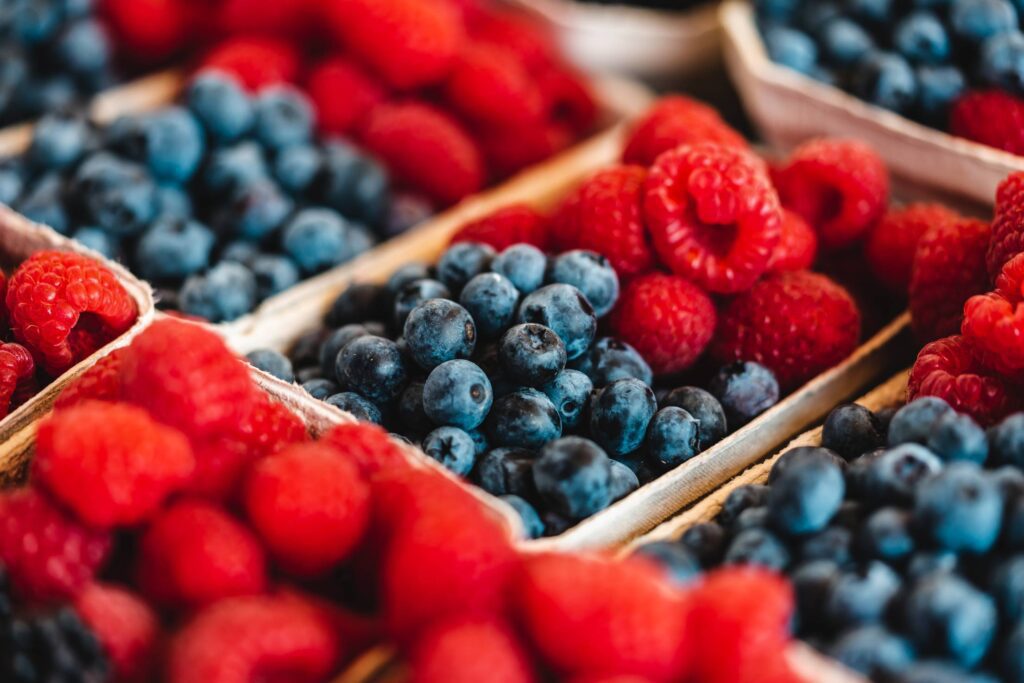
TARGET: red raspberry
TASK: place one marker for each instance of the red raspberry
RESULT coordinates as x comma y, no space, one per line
609,678
127,628
101,382
949,268
994,322
269,426
588,614
3,298
425,149
713,215
110,463
185,376
605,214
513,224
675,121
194,553
258,638
47,299
343,95
949,369
569,98
285,18
796,324
255,61
797,247
991,117
489,87
410,43
309,506
1007,225
893,241
368,447
510,150
469,649
667,319
150,31
16,369
840,187
515,32
48,554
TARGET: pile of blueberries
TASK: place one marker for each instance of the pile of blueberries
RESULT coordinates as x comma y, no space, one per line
903,536
219,203
493,364
914,58
53,54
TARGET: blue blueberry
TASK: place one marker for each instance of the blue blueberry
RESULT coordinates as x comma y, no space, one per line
959,509
1009,480
533,526
801,456
938,88
678,562
452,447
334,343
886,535
706,541
925,671
758,546
256,210
806,496
565,310
462,262
457,393
172,200
590,273
320,388
873,651
228,169
895,475
352,183
506,471
284,117
221,105
1012,656
620,414
524,265
871,11
624,480
705,408
812,583
296,167
921,38
117,195
1007,588
410,272
975,20
273,274
174,144
673,436
359,302
573,476
58,140
44,203
751,518
439,330
887,80
844,42
525,418
491,299
272,362
611,359
318,239
36,22
84,48
852,430
373,367
532,355
360,408
740,499
173,248
958,437
12,180
923,564
791,48
1006,441
414,293
861,595
778,10
226,292
569,392
480,442
947,617
1001,63
744,390
814,16
834,544
411,415
98,240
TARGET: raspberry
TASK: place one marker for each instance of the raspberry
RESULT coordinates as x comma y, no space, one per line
368,447
285,18
796,324
713,215
150,31
48,554
592,615
409,43
797,247
569,98
1007,225
991,117
253,639
526,39
52,293
893,241
994,323
676,121
110,463
101,382
513,224
425,149
949,369
489,87
343,95
510,150
840,187
269,426
667,319
16,369
309,506
185,376
605,215
127,628
256,62
194,553
468,650
949,268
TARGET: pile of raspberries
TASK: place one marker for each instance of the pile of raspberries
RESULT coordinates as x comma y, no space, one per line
452,95
201,533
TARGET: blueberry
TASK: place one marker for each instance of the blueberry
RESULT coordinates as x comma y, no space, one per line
414,293
779,10
886,535
740,499
351,183
480,442
1009,480
921,38
221,105
524,265
372,366
851,430
305,350
334,343
98,240
410,272
525,418
1002,62
58,140
887,80
959,509
274,274
706,541
359,407
679,563
861,596
457,393
812,584
796,457
872,651
620,414
844,42
452,447
1012,656
172,200
975,20
624,480
84,48
12,180
284,117
1006,441
491,299
296,167
555,524
806,496
896,474
565,310
751,518
958,437
462,262
745,390
226,292
923,564
834,544
318,239
791,48
255,211
439,330
938,88
610,359
506,471
672,436
411,415
173,248
229,169
948,617
941,672
320,388
1007,588
37,21
871,11
533,526
359,302
532,355
273,363
569,392
705,408
174,144
573,476
590,273
116,195
758,547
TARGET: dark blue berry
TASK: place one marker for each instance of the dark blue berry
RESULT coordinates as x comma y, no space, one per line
678,562
359,302
706,541
373,367
565,310
255,211
1006,441
272,362
886,535
226,292
851,430
844,42
284,117
895,475
44,203
834,544
98,240
414,293
58,140
958,437
273,274
812,584
740,499
318,239
533,526
1012,656
173,248
462,262
524,265
745,390
334,343
921,38
938,88
174,144
887,80
116,195
410,272
803,499
705,408
452,447
412,417
758,546
221,104
573,476
320,388
975,20
873,651
296,167
570,392
947,617
506,471
801,455
861,596
1007,588
791,48
457,393
439,330
172,200
525,418
532,355
959,509
673,436
359,407
229,169
620,414
491,299
610,359
624,480
590,273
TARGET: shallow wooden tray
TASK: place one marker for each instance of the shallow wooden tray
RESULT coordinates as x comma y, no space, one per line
789,108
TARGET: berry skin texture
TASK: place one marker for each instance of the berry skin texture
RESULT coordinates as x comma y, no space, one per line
256,62
993,322
425,149
713,215
892,243
795,324
148,30
840,187
101,382
676,121
587,614
16,368
605,214
46,297
127,628
48,554
949,369
185,376
1007,225
797,247
308,505
194,554
490,87
513,224
342,94
112,464
991,117
667,319
949,268
409,43
470,649
254,638
368,447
